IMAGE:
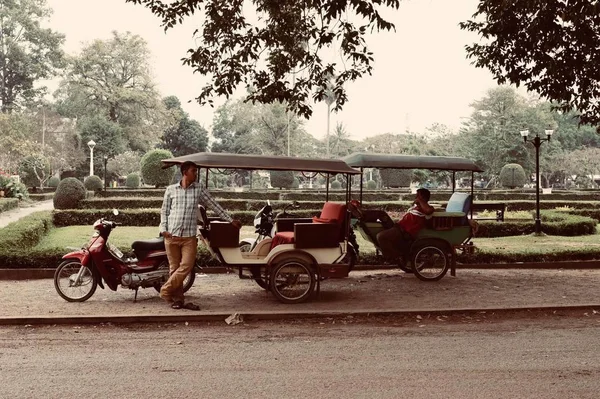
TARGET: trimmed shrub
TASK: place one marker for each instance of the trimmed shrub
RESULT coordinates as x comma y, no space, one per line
371,185
26,232
53,182
336,185
69,193
133,180
31,167
41,197
6,204
93,183
152,171
396,177
512,175
282,179
553,223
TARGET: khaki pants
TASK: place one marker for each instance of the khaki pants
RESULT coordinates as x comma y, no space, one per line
394,242
181,252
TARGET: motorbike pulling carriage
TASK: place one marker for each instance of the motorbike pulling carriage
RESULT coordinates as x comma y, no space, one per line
301,252
449,230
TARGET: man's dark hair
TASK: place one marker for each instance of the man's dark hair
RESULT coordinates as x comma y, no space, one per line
186,165
424,193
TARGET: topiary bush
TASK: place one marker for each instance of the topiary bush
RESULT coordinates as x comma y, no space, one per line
371,185
133,180
93,183
282,178
512,175
53,182
69,193
336,185
152,171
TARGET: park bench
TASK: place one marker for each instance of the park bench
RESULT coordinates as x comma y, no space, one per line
499,207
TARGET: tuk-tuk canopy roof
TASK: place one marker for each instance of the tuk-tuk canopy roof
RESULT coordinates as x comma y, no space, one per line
221,160
397,161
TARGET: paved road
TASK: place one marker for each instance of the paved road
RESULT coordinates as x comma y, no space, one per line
544,357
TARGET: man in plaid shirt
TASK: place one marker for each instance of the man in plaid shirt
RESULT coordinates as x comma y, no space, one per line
178,225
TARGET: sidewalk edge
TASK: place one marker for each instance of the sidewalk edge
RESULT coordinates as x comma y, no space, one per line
274,315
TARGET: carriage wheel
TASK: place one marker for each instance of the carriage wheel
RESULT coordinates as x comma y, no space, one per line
430,262
293,280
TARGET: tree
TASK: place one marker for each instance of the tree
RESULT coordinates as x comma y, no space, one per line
288,36
491,137
185,136
340,143
244,128
28,52
112,79
108,135
34,171
550,47
124,164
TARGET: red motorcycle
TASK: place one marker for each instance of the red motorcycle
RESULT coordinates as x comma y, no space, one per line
81,271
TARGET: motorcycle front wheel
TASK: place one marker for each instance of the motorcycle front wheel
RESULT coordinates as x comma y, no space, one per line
187,282
75,282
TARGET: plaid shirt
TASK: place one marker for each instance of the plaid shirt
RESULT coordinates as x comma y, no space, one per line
179,211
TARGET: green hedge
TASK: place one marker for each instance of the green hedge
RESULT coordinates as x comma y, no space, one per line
562,255
6,204
143,217
553,223
26,232
41,197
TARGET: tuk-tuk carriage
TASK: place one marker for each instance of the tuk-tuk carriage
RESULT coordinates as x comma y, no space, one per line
301,252
434,250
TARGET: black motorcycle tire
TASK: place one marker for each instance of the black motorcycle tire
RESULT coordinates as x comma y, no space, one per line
187,282
57,277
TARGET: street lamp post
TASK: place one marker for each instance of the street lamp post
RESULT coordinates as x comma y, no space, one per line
105,174
537,142
91,144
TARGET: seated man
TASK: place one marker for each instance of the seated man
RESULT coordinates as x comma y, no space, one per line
394,242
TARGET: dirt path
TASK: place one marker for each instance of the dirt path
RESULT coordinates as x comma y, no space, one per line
362,291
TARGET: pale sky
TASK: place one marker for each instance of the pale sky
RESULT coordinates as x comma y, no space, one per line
421,75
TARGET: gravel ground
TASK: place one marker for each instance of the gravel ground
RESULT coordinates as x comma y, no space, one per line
362,291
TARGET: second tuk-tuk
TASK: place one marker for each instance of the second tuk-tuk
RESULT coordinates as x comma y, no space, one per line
449,230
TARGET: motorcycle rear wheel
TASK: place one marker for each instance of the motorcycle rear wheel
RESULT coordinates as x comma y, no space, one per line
72,288
187,282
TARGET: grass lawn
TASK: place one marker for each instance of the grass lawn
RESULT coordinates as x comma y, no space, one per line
75,236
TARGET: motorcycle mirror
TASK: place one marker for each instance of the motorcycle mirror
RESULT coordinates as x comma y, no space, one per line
115,212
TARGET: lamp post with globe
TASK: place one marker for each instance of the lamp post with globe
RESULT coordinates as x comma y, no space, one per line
537,142
91,144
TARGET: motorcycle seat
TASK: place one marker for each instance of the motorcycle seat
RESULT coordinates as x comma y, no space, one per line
149,245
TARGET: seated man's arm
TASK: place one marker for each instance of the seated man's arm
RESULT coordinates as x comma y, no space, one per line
425,207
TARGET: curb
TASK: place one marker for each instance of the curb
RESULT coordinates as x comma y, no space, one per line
258,316
32,274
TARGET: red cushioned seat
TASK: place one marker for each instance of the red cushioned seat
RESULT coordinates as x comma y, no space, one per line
283,237
331,213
